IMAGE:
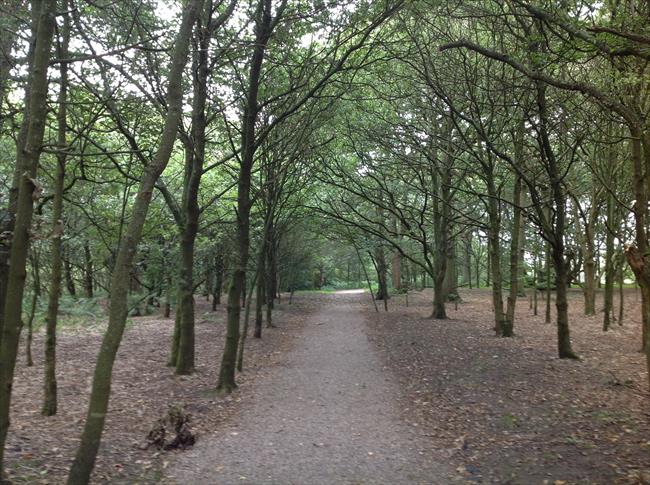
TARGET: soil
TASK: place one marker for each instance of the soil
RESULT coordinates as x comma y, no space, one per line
40,449
341,394
508,409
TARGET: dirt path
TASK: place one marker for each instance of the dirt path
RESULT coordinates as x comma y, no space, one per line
327,415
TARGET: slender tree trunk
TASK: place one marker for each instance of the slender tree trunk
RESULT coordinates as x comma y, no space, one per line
218,282
84,461
451,273
248,148
27,164
36,294
535,292
488,265
244,331
478,266
608,308
589,256
494,252
185,305
561,304
168,295
441,178
396,271
50,384
259,295
621,296
176,335
379,259
547,314
194,158
88,270
270,279
515,258
67,271
637,256
555,228
467,259
8,39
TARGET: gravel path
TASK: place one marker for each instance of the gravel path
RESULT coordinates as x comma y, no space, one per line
328,415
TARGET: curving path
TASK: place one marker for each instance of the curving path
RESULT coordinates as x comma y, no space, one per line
328,416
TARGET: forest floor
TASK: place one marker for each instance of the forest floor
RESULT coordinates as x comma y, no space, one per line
40,449
342,394
507,410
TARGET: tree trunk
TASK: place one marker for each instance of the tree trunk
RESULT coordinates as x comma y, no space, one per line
515,258
608,307
218,281
88,270
555,228
535,292
67,271
494,251
381,269
561,304
637,256
441,179
36,294
259,295
270,277
589,256
28,190
451,273
467,259
621,297
168,295
244,332
176,336
547,314
50,385
8,216
84,461
248,148
194,158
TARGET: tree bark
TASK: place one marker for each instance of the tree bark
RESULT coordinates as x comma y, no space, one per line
441,179
67,271
50,384
88,270
244,331
259,293
608,306
28,156
36,294
248,148
556,233
84,461
637,256
547,288
218,281
8,216
194,161
270,279
382,280
494,252
515,258
589,256
451,273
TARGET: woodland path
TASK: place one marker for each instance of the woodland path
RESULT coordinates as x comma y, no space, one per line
328,414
